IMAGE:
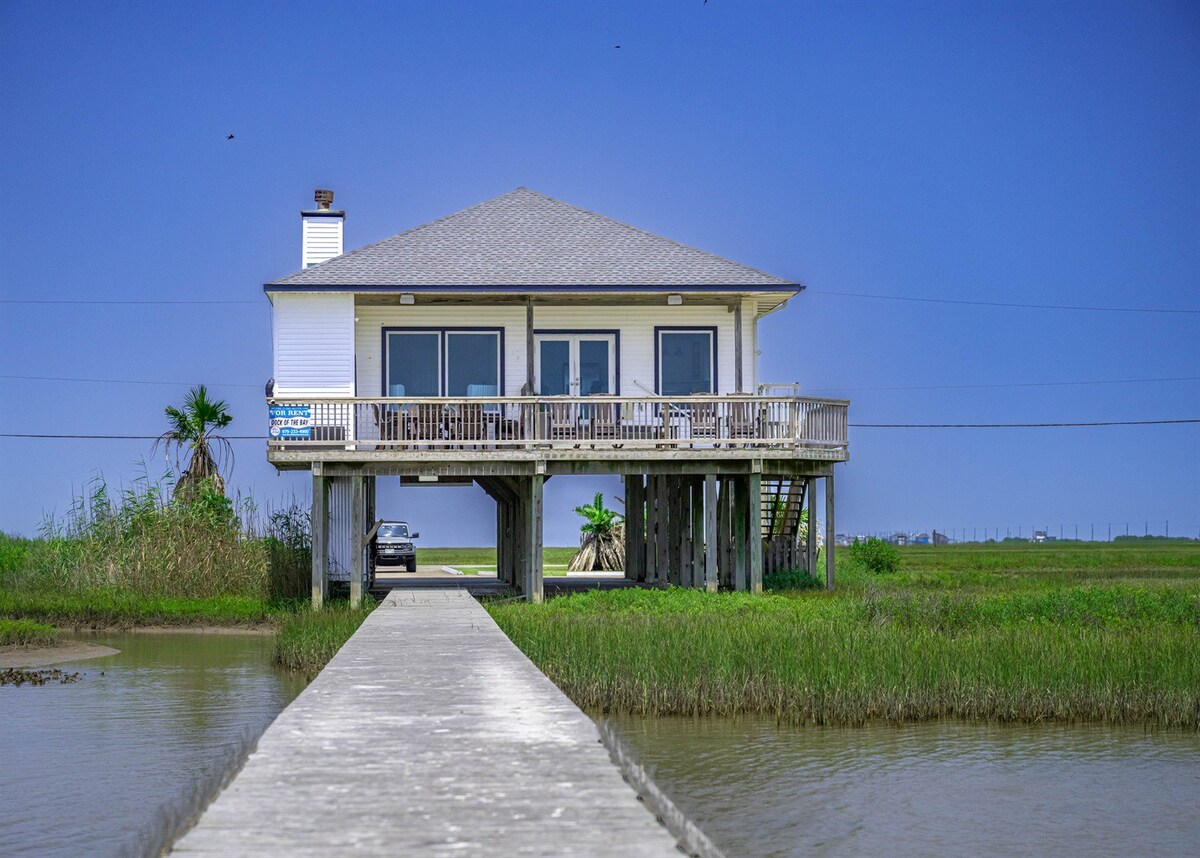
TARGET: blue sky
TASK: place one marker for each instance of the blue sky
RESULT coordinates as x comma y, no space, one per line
1023,153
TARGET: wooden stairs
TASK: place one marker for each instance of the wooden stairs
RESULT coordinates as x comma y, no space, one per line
782,504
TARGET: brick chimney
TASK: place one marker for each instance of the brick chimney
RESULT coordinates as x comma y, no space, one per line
322,230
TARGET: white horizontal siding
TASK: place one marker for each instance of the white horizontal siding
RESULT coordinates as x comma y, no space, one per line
635,323
313,345
322,240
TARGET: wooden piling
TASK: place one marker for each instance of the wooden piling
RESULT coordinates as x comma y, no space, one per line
358,532
696,543
829,532
320,541
711,536
754,542
532,585
741,571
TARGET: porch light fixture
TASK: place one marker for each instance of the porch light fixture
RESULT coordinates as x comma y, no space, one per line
674,300
407,298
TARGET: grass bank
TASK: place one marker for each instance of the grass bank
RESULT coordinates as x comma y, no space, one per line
306,641
26,633
1025,636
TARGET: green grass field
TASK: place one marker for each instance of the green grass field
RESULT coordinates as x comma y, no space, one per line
485,558
1029,633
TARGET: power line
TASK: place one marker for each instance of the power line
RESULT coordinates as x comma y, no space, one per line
124,381
986,386
117,302
999,303
1000,385
1004,304
118,437
1098,423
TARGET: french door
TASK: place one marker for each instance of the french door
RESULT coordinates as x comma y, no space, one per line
575,364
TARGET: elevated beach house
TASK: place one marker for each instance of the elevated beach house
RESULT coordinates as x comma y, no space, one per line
525,338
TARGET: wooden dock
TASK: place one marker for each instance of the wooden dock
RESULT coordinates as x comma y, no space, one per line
429,734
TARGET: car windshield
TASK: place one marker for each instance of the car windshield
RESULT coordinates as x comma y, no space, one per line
400,530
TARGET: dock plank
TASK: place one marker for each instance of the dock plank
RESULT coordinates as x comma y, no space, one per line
429,733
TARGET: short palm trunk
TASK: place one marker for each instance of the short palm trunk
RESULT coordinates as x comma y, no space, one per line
600,552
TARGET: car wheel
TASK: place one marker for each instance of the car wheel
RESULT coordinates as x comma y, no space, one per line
411,566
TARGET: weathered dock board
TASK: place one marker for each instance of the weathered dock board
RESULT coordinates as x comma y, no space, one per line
429,733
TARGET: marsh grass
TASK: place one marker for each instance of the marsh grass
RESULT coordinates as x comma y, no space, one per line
26,633
139,541
306,641
1038,642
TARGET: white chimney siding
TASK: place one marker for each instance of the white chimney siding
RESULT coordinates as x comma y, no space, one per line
322,237
321,230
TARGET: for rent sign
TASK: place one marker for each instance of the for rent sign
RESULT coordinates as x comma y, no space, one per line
291,421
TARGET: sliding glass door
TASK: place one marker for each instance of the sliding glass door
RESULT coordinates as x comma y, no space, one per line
414,363
442,362
575,364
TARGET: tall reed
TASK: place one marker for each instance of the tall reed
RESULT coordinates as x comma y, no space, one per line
140,540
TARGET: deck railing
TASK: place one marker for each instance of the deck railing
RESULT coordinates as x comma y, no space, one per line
533,422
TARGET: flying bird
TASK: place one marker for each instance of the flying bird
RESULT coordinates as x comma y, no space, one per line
616,46
230,137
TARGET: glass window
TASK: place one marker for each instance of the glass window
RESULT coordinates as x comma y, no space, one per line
555,367
473,363
394,530
685,362
593,366
413,363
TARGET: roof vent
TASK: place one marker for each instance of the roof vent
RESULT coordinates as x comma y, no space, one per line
322,235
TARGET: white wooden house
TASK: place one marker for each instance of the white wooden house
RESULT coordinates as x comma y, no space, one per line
522,338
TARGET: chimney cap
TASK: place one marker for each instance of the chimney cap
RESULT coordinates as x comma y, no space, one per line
324,199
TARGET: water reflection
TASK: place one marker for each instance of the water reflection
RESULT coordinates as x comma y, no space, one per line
92,768
941,789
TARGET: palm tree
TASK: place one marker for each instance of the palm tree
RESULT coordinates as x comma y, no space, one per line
192,431
602,546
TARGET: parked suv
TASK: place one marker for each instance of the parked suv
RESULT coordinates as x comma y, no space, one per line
392,546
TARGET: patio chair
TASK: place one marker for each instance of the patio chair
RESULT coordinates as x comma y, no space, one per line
604,416
563,418
702,420
426,423
743,418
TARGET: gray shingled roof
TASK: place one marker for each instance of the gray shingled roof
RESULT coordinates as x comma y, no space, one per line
524,238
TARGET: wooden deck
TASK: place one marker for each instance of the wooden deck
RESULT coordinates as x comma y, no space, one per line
482,431
429,734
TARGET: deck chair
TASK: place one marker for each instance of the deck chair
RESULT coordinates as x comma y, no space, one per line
426,423
743,419
563,418
604,416
702,419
